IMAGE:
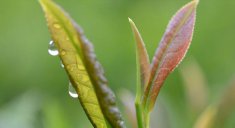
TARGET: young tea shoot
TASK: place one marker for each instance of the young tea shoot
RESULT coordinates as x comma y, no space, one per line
87,80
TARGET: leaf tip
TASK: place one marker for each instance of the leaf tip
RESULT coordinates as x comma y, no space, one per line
195,3
131,21
133,26
43,4
41,1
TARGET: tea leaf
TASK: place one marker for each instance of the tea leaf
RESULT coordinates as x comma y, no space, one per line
105,95
142,56
84,71
171,50
143,70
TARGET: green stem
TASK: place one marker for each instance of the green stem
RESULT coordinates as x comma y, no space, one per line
138,105
139,117
147,120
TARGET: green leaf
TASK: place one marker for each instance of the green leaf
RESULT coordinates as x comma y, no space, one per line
143,72
142,56
82,67
105,95
171,51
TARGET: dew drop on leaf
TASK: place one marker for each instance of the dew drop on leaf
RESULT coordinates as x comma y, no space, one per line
52,50
61,64
72,91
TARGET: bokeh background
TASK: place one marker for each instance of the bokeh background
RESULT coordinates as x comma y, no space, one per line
34,87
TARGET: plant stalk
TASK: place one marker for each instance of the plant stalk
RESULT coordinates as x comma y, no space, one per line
139,116
147,120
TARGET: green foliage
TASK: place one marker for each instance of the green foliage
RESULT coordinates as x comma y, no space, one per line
143,72
84,71
87,75
169,54
171,51
26,65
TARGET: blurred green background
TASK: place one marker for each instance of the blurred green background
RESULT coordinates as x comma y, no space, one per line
34,88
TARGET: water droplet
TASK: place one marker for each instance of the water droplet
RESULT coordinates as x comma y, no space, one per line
52,50
72,91
61,64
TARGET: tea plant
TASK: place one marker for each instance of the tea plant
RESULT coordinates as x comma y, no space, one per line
87,75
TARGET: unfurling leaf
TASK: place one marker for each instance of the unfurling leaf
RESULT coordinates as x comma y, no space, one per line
142,56
171,51
84,71
143,72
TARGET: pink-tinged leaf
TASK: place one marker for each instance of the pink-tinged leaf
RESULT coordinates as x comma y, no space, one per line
143,71
142,56
171,50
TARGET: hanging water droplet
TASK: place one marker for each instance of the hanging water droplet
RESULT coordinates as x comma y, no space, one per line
61,64
72,91
52,50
